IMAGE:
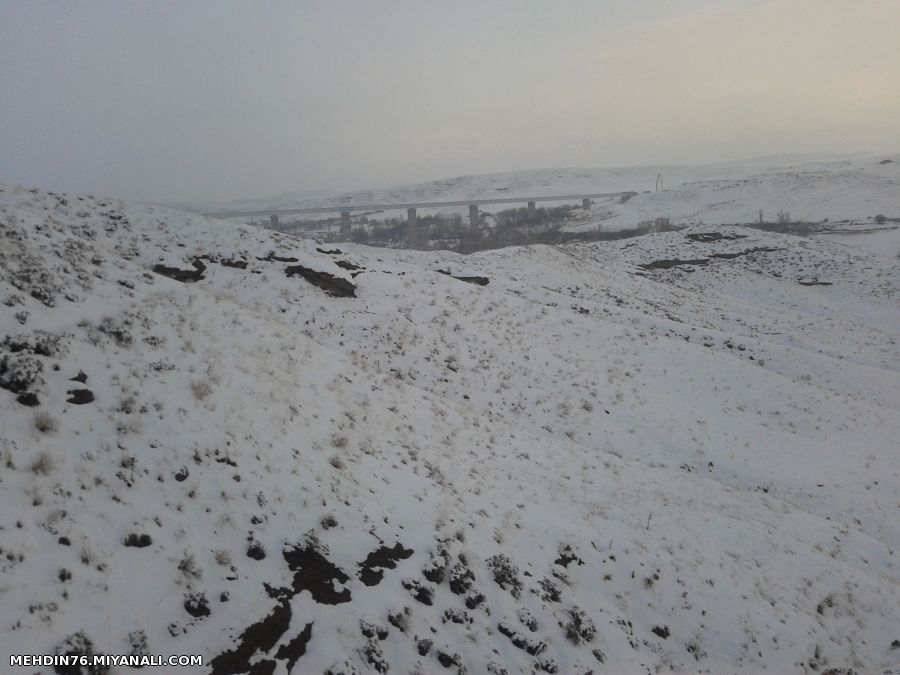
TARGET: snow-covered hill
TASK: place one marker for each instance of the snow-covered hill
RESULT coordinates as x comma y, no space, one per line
669,453
850,189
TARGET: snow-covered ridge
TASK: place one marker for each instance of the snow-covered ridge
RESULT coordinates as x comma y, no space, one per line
675,452
851,189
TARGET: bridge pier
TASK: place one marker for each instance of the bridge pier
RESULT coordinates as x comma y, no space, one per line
273,221
473,215
345,222
532,209
412,228
586,203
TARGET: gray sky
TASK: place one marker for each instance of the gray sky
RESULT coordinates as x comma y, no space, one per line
206,100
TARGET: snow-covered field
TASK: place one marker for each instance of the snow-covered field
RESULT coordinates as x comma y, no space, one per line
847,189
676,452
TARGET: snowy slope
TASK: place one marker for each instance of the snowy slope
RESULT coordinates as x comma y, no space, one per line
605,460
850,189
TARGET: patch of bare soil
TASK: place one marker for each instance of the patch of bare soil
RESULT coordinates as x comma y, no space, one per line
675,262
184,276
707,237
478,281
755,249
28,398
271,257
334,286
260,638
80,396
225,262
313,572
371,569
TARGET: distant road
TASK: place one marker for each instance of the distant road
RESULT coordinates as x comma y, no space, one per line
411,205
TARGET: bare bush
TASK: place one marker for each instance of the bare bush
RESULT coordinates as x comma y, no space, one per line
43,464
45,423
201,389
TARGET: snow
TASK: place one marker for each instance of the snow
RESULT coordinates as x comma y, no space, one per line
640,468
856,188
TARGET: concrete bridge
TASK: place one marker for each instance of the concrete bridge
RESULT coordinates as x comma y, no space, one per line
412,220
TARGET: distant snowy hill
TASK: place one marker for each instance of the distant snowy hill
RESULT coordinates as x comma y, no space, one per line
854,189
672,453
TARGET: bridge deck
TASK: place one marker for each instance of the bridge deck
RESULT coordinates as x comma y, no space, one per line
336,208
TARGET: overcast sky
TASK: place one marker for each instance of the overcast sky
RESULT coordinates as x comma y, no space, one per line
210,99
